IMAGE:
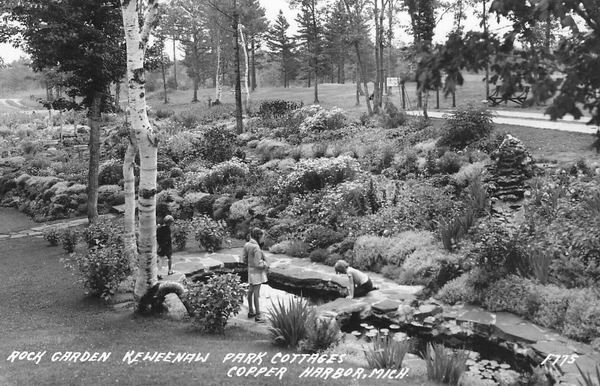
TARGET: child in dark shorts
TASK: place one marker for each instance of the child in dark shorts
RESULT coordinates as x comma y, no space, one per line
163,238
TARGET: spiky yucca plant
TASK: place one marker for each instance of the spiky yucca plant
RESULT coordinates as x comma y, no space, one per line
444,367
288,321
386,352
587,377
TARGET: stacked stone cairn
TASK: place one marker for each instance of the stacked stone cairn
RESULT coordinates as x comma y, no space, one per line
512,166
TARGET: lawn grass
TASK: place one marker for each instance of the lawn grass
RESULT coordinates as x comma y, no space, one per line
45,310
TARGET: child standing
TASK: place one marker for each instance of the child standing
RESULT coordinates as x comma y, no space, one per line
163,238
257,272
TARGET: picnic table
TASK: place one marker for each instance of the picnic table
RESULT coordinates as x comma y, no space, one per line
498,96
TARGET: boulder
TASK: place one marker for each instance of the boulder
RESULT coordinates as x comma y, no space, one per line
175,308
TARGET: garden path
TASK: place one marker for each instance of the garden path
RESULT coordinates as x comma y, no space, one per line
528,119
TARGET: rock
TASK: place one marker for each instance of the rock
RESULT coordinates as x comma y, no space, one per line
343,309
385,306
175,308
512,166
596,344
427,310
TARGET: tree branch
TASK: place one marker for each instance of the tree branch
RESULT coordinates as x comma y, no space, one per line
150,20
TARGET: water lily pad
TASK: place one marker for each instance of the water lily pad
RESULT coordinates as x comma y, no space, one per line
356,333
384,331
364,325
394,327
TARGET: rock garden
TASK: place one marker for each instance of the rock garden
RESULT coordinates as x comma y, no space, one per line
484,258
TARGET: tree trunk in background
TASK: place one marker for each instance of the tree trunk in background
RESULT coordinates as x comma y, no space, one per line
218,77
425,103
391,72
253,71
239,124
377,61
363,77
175,62
164,76
94,162
147,269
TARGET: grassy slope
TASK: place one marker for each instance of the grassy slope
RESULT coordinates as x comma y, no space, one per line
544,144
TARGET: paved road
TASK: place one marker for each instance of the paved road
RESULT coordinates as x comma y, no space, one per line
528,119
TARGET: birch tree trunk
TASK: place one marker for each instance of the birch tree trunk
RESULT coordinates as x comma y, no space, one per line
129,238
94,162
247,74
146,277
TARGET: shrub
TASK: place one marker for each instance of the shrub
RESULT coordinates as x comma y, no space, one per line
208,233
386,352
324,120
52,236
588,378
458,290
213,303
180,231
101,232
314,174
582,319
275,108
319,255
269,149
182,146
103,268
319,236
552,304
465,126
431,267
160,113
110,172
445,367
449,163
288,321
392,117
512,294
321,334
69,238
218,144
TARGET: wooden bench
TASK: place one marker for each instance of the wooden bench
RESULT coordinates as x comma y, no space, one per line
498,97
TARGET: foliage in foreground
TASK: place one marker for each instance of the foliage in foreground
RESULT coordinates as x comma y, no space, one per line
588,378
321,333
213,303
386,352
444,367
288,321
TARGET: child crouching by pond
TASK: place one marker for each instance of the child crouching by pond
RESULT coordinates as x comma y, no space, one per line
359,283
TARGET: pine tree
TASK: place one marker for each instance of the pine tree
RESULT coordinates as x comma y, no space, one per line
282,46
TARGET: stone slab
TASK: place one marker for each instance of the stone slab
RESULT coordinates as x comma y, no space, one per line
526,332
386,305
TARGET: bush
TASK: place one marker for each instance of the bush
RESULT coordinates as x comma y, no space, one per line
103,268
69,238
295,248
552,303
392,117
386,352
218,144
319,119
213,179
288,321
465,126
459,290
319,255
183,146
449,163
512,294
160,113
314,174
52,236
321,334
101,232
213,303
180,231
208,233
444,367
110,173
582,319
275,108
269,149
319,236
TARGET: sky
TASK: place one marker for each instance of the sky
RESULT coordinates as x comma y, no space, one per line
272,7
